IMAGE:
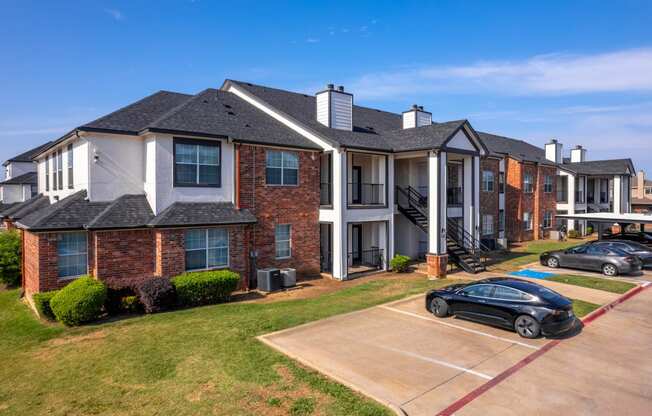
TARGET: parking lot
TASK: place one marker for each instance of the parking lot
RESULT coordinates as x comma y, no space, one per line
402,356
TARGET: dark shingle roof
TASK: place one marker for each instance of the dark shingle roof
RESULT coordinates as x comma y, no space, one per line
25,208
28,178
28,155
423,138
201,213
128,211
602,167
5,207
518,149
71,213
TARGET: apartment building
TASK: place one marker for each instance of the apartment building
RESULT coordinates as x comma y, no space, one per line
641,193
19,183
249,177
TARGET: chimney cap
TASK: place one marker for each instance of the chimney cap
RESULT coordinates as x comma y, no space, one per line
553,141
340,88
330,86
420,108
415,107
579,146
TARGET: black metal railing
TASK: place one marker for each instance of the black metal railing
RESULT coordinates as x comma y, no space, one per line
409,198
326,261
579,197
455,196
325,193
371,259
360,193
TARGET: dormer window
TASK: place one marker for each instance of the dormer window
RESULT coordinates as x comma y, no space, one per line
197,163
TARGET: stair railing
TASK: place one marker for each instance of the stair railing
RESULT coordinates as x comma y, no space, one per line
410,198
468,241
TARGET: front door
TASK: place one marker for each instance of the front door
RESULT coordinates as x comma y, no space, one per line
356,244
356,185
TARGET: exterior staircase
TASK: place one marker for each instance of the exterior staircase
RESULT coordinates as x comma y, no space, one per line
463,249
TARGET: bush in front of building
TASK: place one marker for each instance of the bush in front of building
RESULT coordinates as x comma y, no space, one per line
42,304
573,234
79,302
156,295
10,247
206,287
589,230
400,263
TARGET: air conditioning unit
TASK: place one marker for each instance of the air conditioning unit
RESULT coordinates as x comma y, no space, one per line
289,277
269,280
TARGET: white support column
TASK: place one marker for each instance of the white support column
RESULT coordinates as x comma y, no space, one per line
476,197
618,192
434,201
443,205
468,194
571,201
339,244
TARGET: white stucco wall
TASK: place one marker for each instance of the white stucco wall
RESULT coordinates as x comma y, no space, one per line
14,169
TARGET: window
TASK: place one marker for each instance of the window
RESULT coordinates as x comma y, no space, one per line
501,220
648,191
487,224
527,221
60,168
547,219
487,181
547,184
501,182
282,168
283,238
528,183
47,173
206,248
33,190
72,254
69,155
53,158
197,163
480,291
507,293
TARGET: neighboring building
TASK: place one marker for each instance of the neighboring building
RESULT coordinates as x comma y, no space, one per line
250,177
641,193
585,186
19,184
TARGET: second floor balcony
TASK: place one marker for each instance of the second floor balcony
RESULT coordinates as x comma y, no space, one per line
364,193
367,176
455,196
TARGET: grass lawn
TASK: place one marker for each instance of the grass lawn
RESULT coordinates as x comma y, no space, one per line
581,308
189,362
608,285
529,252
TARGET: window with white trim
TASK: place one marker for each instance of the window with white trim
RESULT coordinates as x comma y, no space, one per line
487,181
283,240
60,168
527,221
70,163
197,163
206,248
72,254
47,173
53,158
528,183
547,219
487,224
282,168
547,184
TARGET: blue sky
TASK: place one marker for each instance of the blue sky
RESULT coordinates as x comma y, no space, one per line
578,71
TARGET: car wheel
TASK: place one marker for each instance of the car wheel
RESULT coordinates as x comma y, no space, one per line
609,270
553,262
439,307
527,327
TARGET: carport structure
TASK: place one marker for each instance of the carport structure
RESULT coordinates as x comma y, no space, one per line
603,219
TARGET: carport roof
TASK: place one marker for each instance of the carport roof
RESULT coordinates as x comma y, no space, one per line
635,218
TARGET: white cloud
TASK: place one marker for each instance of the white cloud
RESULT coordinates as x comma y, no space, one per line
552,74
115,14
312,40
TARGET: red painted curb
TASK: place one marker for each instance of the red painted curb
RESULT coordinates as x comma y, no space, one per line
450,410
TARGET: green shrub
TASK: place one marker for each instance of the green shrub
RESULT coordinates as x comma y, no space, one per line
589,230
400,263
156,295
81,301
10,247
204,288
573,234
130,304
42,304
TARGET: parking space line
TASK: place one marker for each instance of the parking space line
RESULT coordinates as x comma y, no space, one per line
435,361
473,331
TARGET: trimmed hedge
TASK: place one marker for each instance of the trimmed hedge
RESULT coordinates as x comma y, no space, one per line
156,295
10,246
42,304
400,263
204,288
81,301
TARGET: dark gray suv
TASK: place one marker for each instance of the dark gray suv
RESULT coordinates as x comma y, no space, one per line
610,261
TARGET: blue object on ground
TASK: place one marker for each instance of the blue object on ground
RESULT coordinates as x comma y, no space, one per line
532,274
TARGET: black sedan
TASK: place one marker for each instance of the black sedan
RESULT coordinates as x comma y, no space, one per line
608,260
643,252
528,308
638,237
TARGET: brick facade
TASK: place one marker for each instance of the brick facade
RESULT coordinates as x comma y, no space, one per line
489,200
121,256
40,270
517,201
272,205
